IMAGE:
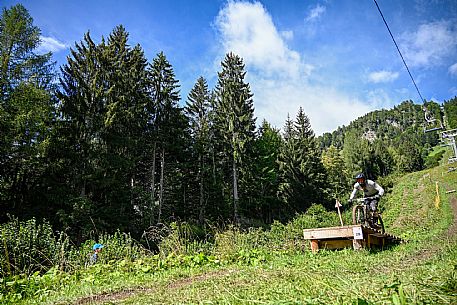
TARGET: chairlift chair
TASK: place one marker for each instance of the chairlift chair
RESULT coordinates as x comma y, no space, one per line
431,121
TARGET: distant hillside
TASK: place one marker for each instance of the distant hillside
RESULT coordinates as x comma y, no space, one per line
450,109
387,141
382,124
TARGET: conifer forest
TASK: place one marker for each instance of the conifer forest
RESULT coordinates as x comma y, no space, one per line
117,188
107,142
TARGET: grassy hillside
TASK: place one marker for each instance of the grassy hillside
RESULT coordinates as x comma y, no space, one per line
276,266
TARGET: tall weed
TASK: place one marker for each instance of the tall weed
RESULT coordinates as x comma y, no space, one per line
27,247
184,238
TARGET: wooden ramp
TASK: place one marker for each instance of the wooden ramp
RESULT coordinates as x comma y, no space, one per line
356,236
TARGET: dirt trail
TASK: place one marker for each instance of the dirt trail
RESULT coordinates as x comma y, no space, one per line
126,293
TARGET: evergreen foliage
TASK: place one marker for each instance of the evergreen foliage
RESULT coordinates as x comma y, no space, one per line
302,174
104,92
169,139
197,110
337,175
114,149
450,108
385,141
26,113
235,123
264,171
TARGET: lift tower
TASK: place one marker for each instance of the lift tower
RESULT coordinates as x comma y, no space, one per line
450,136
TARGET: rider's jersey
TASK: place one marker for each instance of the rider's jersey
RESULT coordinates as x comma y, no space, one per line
371,188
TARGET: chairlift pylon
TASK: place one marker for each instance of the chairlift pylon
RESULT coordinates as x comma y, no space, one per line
450,136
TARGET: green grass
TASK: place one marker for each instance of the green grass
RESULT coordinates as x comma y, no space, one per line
436,150
277,267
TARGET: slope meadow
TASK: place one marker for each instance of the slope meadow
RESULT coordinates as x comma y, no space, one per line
276,266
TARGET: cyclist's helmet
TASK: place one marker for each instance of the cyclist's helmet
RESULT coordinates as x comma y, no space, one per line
361,179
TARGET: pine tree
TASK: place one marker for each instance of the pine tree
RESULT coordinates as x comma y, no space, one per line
104,94
265,174
197,110
302,173
169,134
235,122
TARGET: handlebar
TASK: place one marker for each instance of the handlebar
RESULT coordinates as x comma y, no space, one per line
365,198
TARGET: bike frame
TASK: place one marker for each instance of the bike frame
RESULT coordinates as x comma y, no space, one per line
362,214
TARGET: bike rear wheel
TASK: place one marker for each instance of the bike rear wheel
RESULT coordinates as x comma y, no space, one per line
358,215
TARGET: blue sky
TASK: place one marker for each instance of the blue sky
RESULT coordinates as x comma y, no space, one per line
334,58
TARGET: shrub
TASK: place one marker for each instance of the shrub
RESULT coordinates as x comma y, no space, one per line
434,160
27,247
184,238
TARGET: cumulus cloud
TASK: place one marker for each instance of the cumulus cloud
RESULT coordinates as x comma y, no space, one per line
430,44
453,69
50,44
382,76
248,30
315,13
279,75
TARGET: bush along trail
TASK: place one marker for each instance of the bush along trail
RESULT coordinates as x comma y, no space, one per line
273,266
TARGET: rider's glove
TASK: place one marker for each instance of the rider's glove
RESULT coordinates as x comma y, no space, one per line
376,196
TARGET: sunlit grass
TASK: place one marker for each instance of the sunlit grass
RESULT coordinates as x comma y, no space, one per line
276,266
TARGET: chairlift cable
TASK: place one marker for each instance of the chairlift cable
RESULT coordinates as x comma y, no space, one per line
398,49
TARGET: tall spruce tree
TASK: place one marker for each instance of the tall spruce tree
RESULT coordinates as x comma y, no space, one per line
169,136
265,174
235,122
197,110
103,97
303,179
26,113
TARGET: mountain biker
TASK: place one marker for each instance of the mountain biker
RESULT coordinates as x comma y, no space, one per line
370,189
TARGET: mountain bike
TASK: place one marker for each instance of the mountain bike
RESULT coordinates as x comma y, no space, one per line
363,215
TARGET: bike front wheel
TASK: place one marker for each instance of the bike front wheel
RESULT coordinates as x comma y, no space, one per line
358,215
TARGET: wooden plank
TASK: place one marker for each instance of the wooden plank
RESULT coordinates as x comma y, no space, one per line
335,244
330,232
374,240
358,244
314,245
340,237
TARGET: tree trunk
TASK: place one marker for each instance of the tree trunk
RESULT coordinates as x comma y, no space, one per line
235,194
162,165
153,188
201,215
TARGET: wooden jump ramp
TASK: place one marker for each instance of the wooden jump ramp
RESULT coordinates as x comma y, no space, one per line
356,236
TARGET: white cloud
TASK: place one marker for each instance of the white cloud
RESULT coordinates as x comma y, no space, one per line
382,76
288,35
247,29
315,13
279,75
430,44
453,69
50,44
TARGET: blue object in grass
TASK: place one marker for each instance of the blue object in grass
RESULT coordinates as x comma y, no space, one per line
97,246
